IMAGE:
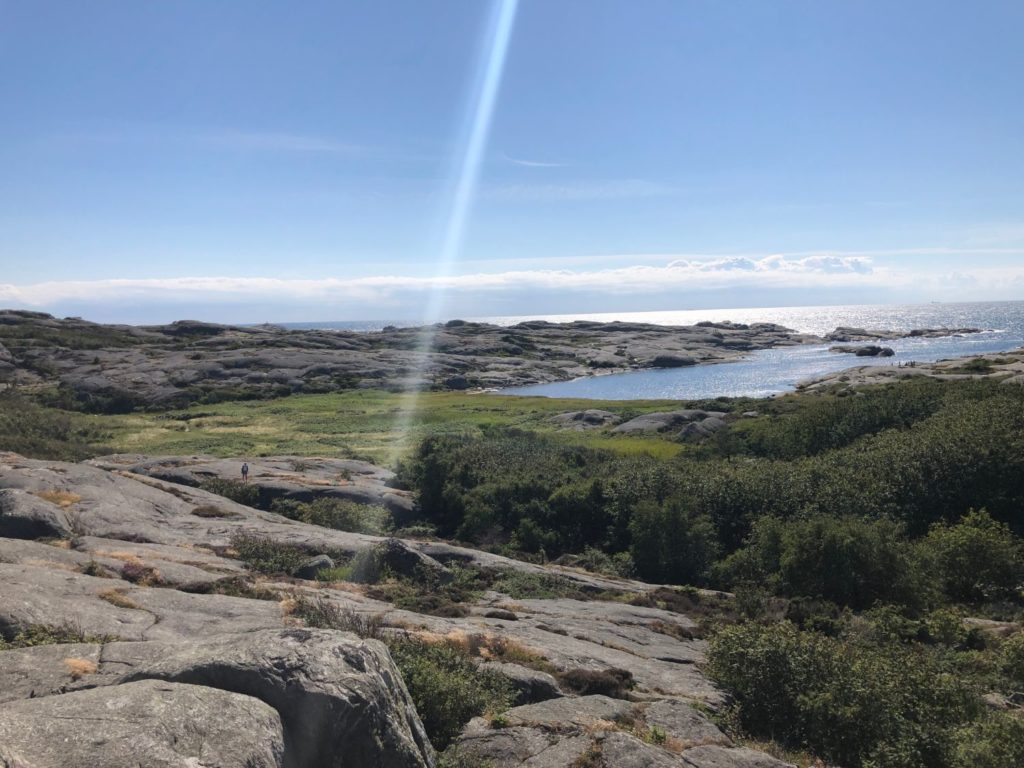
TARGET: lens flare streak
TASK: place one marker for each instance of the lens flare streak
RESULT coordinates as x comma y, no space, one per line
467,164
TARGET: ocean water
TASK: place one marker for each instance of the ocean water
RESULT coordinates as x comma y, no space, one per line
775,371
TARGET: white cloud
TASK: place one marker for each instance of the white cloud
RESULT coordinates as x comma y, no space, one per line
679,277
580,190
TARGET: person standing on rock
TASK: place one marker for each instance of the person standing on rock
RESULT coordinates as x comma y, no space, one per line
245,472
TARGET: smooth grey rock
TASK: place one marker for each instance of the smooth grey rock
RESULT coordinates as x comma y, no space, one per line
528,747
531,685
24,515
592,418
697,430
581,711
682,722
724,757
336,695
621,750
149,723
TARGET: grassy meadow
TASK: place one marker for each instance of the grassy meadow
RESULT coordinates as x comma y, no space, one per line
364,424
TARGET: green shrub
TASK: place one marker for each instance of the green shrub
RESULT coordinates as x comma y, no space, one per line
849,561
1011,660
447,687
853,704
266,555
672,544
996,741
242,493
975,560
340,514
45,433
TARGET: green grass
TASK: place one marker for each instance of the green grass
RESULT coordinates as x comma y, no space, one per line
361,424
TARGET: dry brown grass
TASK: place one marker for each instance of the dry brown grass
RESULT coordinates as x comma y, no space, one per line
119,598
79,668
62,499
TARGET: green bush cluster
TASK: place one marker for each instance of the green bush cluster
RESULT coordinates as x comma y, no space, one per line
857,705
44,433
242,493
340,514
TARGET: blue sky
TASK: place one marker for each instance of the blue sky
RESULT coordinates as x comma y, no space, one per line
246,161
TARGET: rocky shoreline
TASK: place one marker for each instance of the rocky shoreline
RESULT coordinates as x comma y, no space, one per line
118,368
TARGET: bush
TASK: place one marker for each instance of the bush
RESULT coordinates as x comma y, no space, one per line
45,433
1011,660
996,741
683,556
853,704
242,493
849,561
340,514
266,555
976,560
447,687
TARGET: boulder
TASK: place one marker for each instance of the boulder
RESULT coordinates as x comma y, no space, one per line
148,723
335,695
313,566
698,430
592,418
24,515
531,685
680,721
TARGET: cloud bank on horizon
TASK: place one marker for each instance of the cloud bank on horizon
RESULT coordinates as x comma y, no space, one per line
727,282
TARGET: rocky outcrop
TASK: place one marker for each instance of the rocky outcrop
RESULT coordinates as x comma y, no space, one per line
279,477
150,723
869,350
1005,367
666,420
592,418
847,334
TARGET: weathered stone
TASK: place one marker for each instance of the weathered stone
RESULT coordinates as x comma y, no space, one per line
682,722
531,685
723,757
152,723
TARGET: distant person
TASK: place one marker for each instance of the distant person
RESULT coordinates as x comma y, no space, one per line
245,473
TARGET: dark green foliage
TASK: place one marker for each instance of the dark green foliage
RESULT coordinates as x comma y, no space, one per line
977,559
994,742
447,687
45,433
849,561
340,514
266,555
242,493
671,544
854,704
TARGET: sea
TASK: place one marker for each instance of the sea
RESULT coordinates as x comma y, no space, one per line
774,371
